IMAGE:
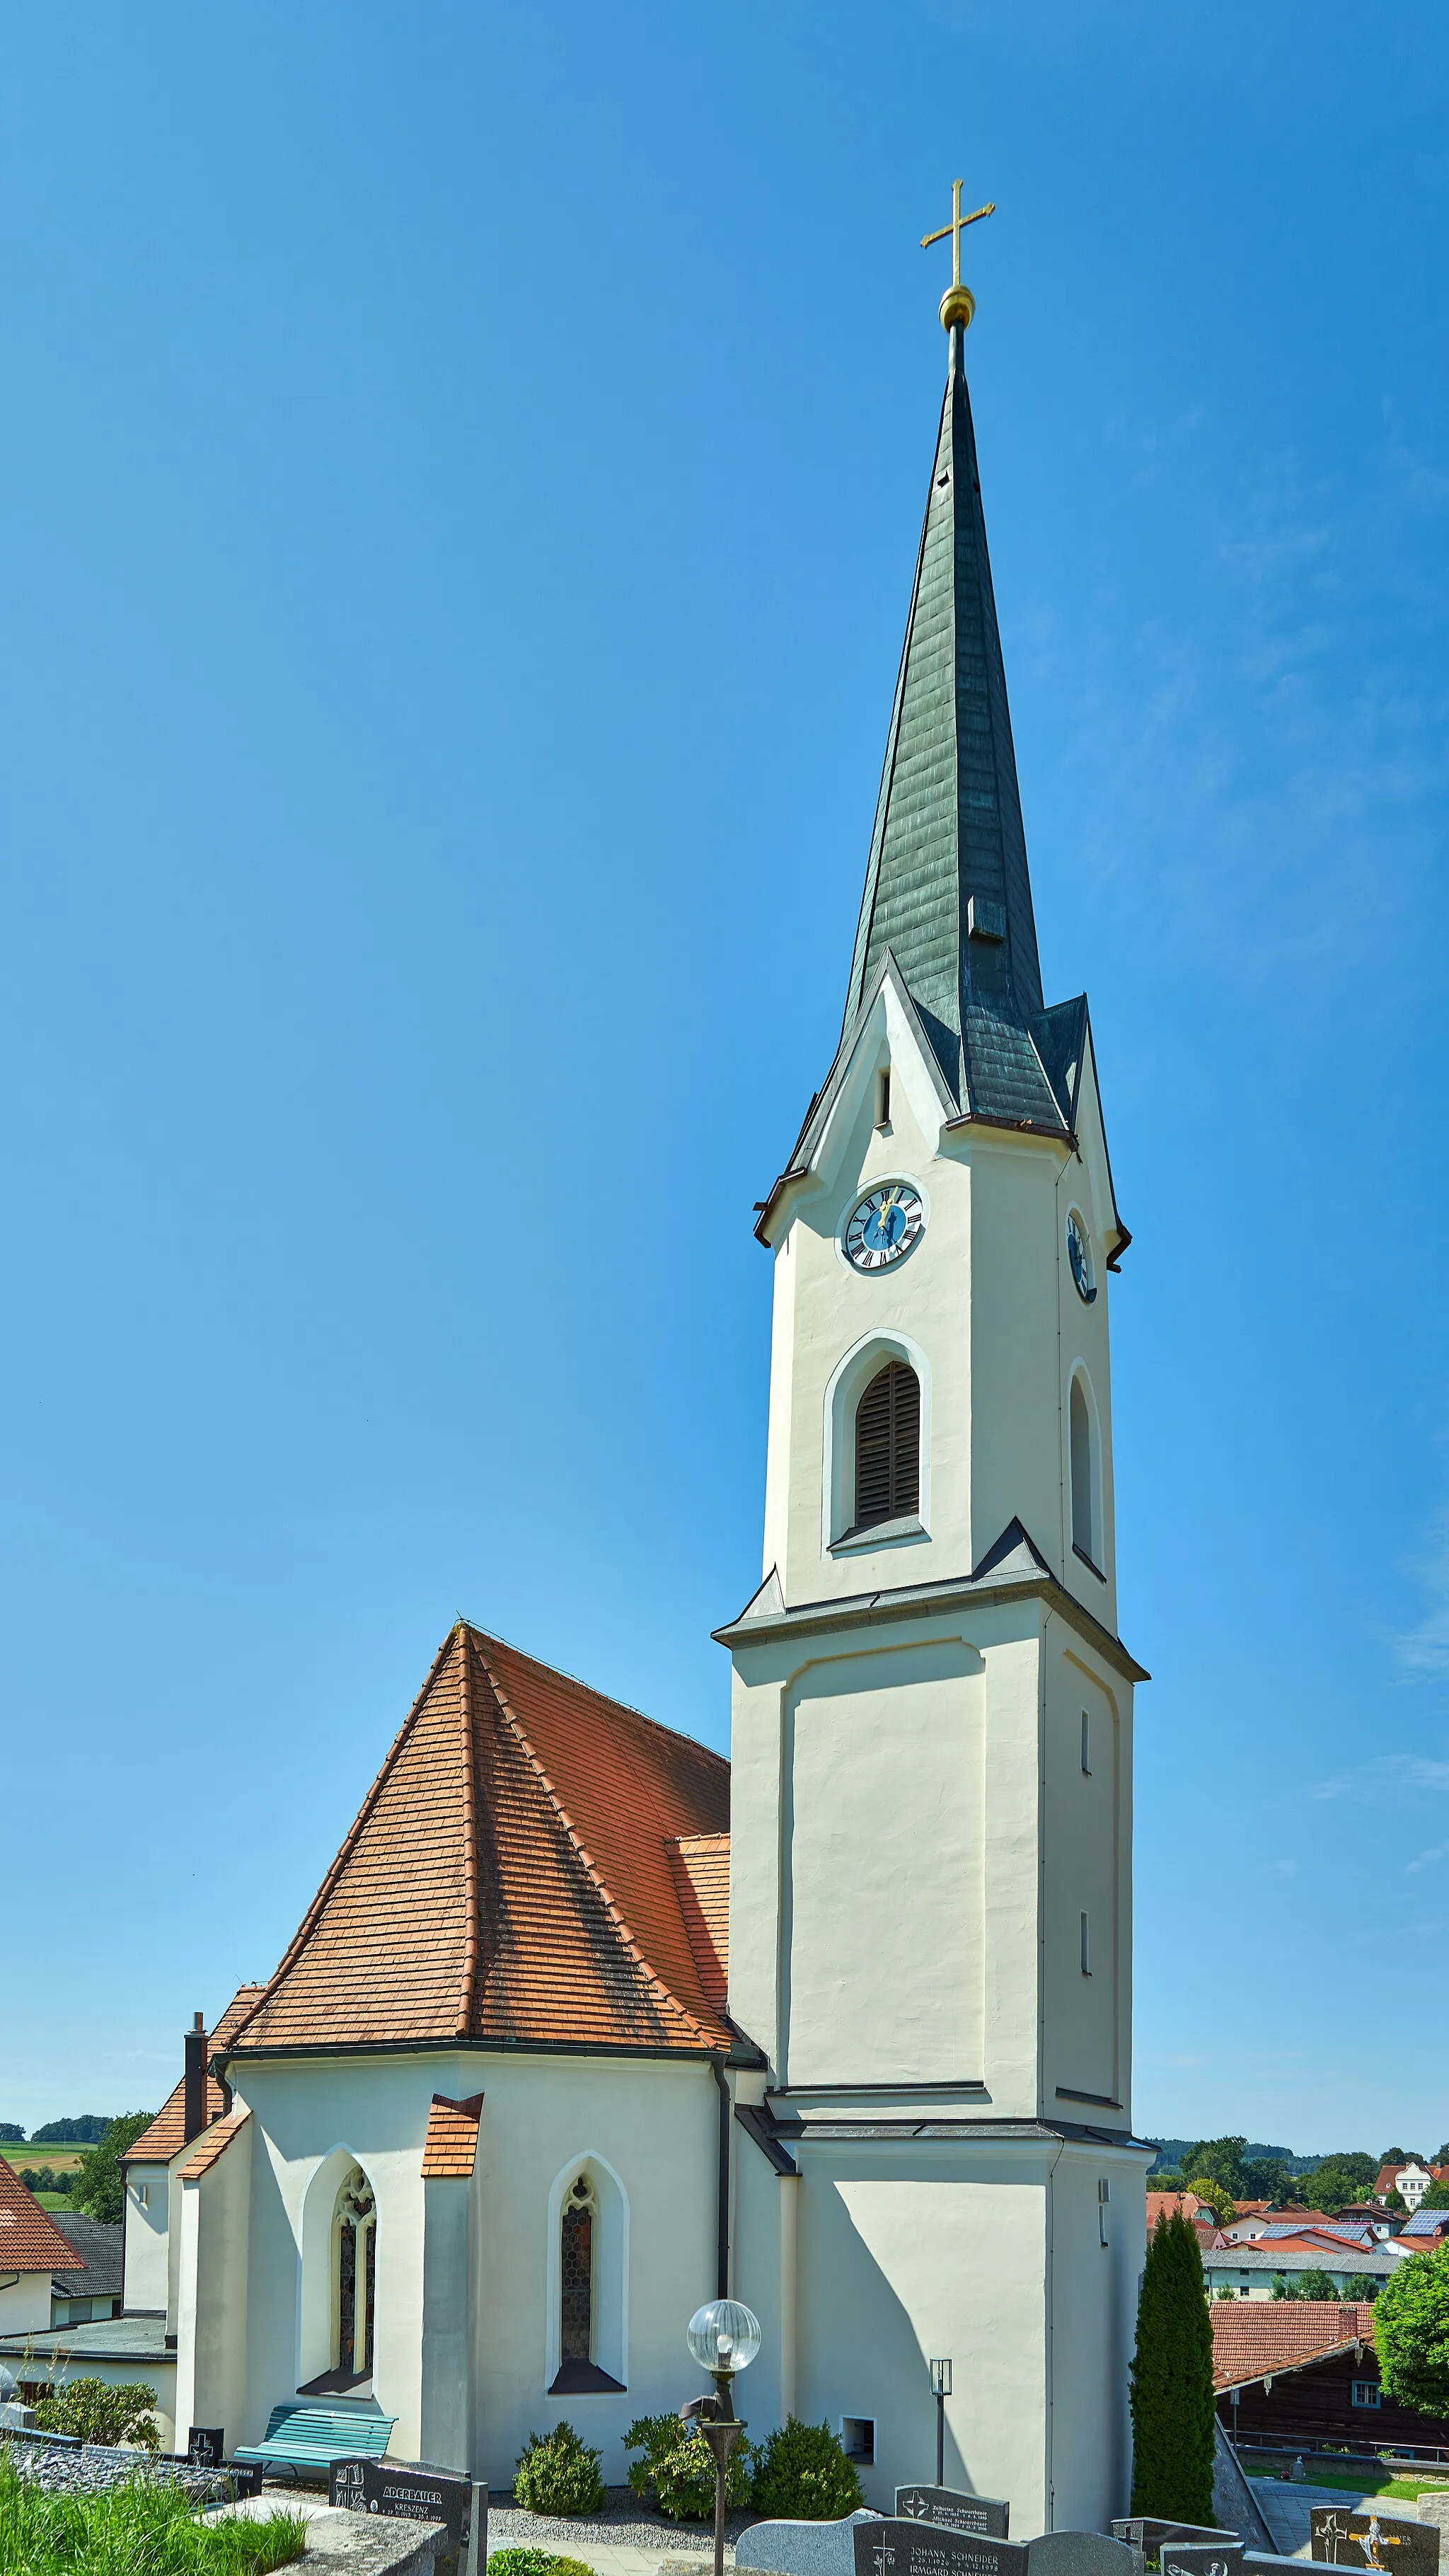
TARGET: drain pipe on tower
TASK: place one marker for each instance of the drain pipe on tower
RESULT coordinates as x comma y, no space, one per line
722,2187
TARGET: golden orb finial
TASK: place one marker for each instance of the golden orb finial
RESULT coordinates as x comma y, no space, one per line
958,304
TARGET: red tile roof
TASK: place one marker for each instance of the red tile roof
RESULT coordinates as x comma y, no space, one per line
509,1876
30,2241
158,2144
214,2143
701,1866
451,2147
1169,2204
1258,2338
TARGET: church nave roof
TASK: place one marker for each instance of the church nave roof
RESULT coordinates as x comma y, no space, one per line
516,1875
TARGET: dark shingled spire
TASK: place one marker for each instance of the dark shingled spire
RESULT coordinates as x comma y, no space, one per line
947,891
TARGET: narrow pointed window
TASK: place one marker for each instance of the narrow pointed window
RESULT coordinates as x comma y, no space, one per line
579,2225
1084,1478
356,2277
888,1447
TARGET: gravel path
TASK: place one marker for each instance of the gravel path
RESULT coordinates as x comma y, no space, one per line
624,2523
92,2466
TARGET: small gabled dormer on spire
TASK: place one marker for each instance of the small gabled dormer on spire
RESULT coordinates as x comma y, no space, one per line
947,891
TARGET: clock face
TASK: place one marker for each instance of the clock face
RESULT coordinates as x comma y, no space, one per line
1079,1253
884,1226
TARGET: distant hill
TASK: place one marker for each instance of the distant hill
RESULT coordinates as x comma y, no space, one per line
84,2131
1170,2151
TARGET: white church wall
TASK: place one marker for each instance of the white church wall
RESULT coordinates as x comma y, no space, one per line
211,2338
825,1310
144,2241
447,2385
910,2252
650,2124
1084,1343
1012,1328
1087,1828
1093,2323
315,2118
883,1867
653,2126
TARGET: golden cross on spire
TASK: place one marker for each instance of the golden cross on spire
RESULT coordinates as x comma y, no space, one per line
958,303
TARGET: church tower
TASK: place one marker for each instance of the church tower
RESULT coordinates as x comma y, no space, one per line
930,1893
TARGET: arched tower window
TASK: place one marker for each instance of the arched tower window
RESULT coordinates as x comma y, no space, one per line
579,2226
355,2224
1086,1538
888,1446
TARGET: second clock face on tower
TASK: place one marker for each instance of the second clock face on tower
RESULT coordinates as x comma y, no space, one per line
882,1227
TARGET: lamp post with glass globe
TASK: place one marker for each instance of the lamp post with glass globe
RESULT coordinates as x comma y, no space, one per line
724,2338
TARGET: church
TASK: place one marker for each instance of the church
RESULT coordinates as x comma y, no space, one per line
585,2025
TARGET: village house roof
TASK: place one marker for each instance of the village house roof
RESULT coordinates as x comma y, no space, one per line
1171,2204
158,2144
94,2270
514,1877
1258,2341
1301,2254
30,2241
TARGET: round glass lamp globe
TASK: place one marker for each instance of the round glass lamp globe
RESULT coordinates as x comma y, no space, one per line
723,2336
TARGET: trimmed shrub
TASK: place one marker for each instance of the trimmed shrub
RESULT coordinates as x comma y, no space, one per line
557,2473
534,2562
677,2470
99,2413
1173,2416
802,2475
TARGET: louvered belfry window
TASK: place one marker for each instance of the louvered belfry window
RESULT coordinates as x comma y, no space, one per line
888,1447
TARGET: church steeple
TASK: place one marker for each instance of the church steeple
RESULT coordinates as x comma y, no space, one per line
947,891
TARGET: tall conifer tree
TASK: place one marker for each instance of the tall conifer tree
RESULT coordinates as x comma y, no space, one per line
1173,2435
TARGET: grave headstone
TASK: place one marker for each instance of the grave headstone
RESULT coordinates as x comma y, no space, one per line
1379,2540
895,2547
1203,2557
206,2445
802,2548
1082,2553
1147,2533
954,2510
412,2491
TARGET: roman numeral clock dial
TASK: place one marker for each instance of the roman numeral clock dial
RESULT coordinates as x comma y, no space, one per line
883,1226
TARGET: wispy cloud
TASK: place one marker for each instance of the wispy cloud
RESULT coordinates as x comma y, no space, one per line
1386,1779
1427,1859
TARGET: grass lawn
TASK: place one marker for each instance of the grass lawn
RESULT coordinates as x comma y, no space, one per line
51,2199
1366,2481
135,2530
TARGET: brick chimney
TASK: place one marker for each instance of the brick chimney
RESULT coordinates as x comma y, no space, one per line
194,2098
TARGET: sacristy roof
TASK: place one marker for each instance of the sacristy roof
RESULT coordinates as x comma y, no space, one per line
167,2133
509,1878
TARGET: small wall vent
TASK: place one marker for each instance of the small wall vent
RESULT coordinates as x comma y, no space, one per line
985,920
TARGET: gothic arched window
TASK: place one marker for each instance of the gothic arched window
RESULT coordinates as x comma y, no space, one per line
356,2226
579,2229
1085,1537
888,1446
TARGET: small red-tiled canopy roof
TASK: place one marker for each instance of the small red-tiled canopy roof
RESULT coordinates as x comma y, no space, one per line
30,2241
214,2143
1258,2338
701,1866
158,2144
509,1876
451,2145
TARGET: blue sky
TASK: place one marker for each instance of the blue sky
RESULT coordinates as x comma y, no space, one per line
459,479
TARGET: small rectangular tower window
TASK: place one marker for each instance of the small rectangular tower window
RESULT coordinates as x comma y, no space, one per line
1086,1744
857,2439
1086,1948
883,1097
1104,2195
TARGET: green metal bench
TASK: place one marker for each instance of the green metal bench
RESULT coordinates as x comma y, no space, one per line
300,2436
